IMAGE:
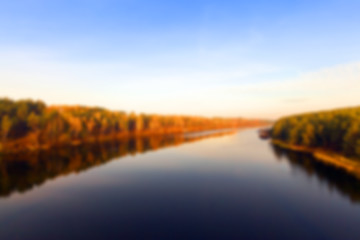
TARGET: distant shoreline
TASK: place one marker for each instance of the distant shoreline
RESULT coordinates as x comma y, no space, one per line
27,125
22,146
351,166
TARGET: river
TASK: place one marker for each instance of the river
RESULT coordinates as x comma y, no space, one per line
219,185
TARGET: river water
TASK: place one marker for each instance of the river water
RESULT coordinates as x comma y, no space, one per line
219,185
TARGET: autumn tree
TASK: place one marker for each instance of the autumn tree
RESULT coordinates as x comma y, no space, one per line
6,125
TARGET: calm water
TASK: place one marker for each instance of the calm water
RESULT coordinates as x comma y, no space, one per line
214,185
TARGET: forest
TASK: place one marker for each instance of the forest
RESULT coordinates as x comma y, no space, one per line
336,130
31,125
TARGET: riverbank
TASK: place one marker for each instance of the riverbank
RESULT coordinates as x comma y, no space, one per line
27,125
351,166
31,142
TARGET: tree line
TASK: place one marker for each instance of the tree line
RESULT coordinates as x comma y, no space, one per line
335,130
31,124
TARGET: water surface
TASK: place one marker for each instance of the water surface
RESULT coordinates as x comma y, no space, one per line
217,185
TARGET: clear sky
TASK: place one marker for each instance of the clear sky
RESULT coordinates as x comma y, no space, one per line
256,58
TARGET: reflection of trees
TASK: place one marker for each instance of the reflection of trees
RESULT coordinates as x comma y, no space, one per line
22,172
334,178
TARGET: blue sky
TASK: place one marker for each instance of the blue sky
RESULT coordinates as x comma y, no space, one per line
227,58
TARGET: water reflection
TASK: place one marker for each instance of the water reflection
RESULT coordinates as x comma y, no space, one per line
20,173
333,178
